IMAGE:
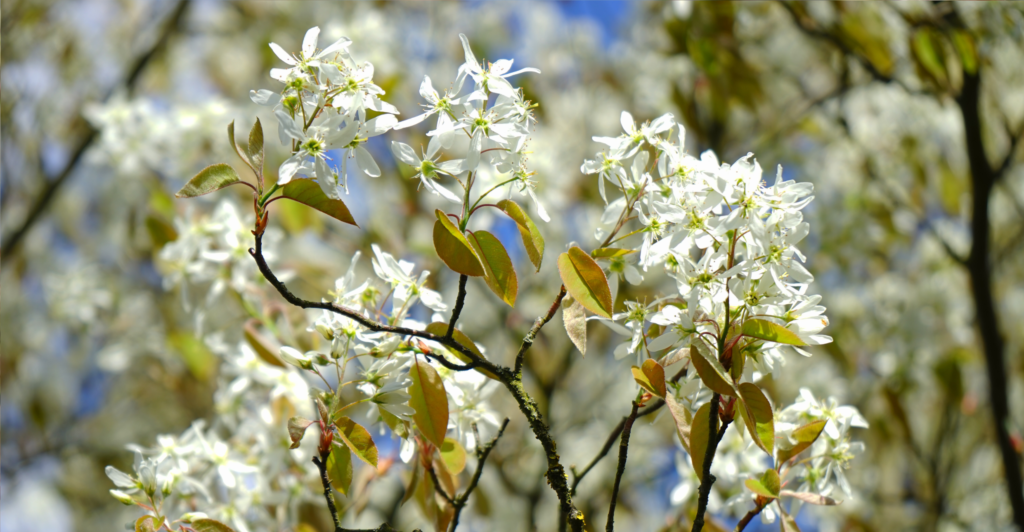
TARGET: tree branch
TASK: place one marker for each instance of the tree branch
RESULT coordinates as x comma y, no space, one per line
747,518
532,335
459,302
623,450
11,241
481,456
983,179
476,361
707,479
321,464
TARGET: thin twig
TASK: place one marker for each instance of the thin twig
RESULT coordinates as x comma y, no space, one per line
482,452
707,479
459,302
475,361
321,464
532,335
623,451
747,518
438,488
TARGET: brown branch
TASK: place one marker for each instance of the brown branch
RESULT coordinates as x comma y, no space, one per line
623,451
42,202
532,335
438,488
983,179
476,361
747,518
321,464
481,457
707,479
459,302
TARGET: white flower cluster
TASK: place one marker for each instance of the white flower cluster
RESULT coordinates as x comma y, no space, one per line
727,239
324,106
238,469
497,133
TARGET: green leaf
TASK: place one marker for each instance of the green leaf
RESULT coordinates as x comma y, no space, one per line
439,328
210,525
255,148
927,46
770,331
642,380
297,429
501,276
699,437
533,241
339,467
209,179
610,253
711,372
453,456
357,439
805,436
430,402
812,498
575,320
738,359
307,192
453,248
146,523
767,486
963,42
201,363
682,418
758,417
585,281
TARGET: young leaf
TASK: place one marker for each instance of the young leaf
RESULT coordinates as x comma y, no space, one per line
440,328
209,179
712,373
309,193
358,440
585,281
235,146
297,429
533,241
812,498
209,525
453,248
501,276
738,359
453,456
575,320
339,467
805,436
609,253
655,375
642,380
773,332
699,437
758,416
429,401
255,148
767,486
682,418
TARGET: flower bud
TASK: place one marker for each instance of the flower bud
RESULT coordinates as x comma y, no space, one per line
122,497
325,331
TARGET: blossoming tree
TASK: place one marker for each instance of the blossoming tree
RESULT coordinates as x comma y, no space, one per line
715,241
